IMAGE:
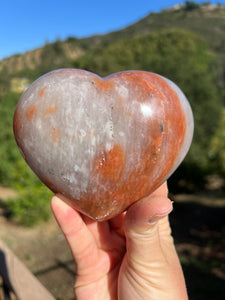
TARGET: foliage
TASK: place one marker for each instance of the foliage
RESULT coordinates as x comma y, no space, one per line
8,150
31,206
51,57
32,203
179,55
190,5
209,23
217,146
197,66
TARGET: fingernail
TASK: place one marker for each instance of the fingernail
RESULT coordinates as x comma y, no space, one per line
154,219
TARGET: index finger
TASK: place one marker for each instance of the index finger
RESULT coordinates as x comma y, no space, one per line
79,238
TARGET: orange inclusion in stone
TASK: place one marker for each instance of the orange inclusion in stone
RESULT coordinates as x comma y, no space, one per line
103,85
51,109
55,133
42,91
121,101
140,183
137,81
175,120
111,164
31,112
17,122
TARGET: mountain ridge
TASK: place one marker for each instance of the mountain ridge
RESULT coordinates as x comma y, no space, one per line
206,20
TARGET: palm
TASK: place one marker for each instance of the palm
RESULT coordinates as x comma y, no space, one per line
113,264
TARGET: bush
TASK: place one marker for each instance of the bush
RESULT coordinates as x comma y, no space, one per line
31,206
32,203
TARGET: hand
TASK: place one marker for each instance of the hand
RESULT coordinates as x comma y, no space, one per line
131,256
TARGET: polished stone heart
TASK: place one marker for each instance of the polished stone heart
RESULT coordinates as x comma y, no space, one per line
103,143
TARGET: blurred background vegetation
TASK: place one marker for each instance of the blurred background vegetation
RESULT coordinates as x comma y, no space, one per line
184,43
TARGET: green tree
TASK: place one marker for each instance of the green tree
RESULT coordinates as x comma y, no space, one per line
191,5
52,57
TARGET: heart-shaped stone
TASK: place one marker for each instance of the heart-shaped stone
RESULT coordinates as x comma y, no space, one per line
103,143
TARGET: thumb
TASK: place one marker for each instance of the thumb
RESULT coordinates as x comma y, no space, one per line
143,222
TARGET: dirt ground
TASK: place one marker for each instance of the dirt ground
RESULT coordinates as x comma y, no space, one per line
43,250
198,227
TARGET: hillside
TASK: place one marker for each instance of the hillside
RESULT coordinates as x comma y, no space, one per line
205,20
32,59
185,44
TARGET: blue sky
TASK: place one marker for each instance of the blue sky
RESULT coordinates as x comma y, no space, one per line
27,24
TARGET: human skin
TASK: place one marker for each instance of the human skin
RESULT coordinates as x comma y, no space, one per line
131,256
